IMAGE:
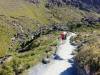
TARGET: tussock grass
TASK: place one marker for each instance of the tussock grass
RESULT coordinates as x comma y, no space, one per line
89,53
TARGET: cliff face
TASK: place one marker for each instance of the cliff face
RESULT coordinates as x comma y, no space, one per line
82,4
95,3
92,2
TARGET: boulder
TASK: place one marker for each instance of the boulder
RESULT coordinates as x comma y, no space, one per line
45,60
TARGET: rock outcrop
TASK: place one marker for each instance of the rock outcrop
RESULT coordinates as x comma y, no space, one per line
82,4
5,59
41,31
34,1
82,71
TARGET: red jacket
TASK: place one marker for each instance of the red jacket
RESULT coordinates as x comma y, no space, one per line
62,36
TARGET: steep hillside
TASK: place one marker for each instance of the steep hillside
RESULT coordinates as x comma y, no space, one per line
18,20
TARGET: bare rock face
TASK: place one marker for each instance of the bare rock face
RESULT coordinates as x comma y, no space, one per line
34,1
82,4
95,3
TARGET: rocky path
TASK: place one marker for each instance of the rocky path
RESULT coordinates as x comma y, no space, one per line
61,64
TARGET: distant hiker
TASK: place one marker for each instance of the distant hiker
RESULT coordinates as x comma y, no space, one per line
63,36
57,44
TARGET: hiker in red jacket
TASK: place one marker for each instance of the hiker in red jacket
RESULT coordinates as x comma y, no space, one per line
63,35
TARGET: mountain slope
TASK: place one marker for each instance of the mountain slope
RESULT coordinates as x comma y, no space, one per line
19,18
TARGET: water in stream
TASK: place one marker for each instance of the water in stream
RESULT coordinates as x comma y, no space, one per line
61,64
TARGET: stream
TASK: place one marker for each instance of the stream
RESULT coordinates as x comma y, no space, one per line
62,63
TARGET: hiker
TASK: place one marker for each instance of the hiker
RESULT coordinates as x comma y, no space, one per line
56,47
63,36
